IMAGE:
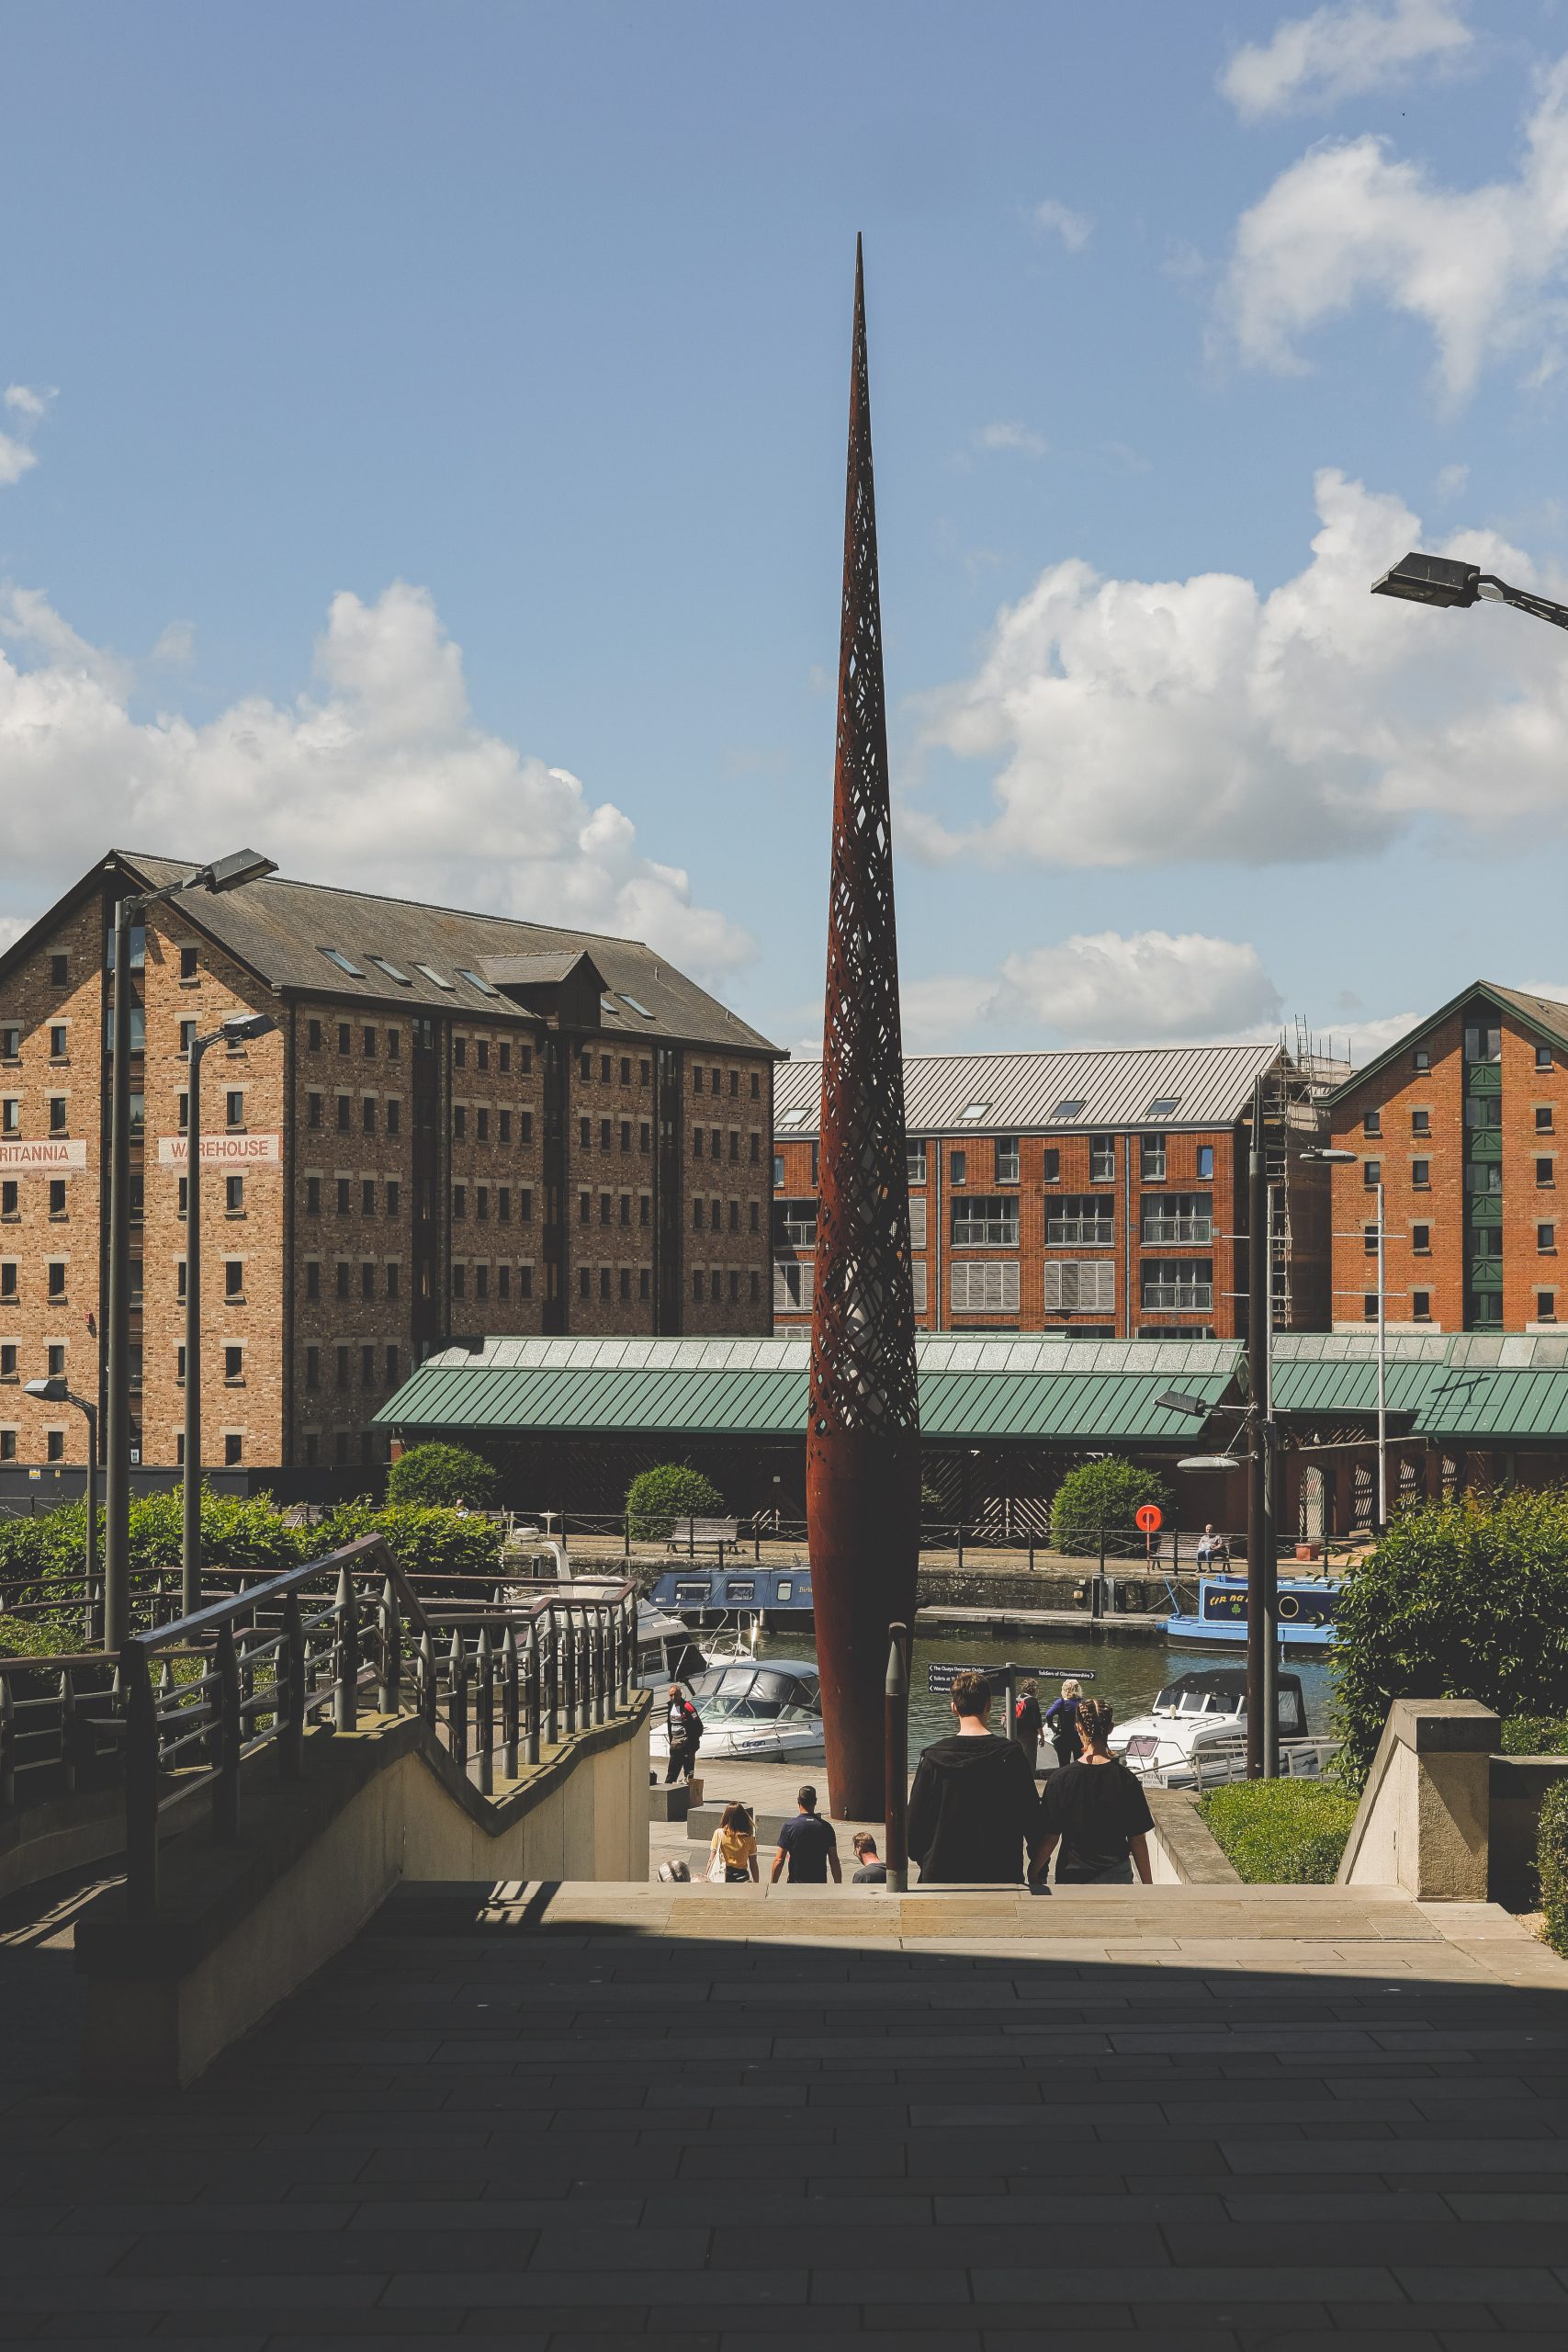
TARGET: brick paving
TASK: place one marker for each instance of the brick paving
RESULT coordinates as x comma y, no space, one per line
595,2116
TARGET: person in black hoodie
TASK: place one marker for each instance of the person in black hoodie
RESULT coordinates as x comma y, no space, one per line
973,1813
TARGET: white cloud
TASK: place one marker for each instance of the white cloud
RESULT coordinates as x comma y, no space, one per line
1075,229
1339,52
379,779
176,644
1148,723
16,459
1101,988
11,929
1452,482
1363,1041
1483,267
24,399
1008,434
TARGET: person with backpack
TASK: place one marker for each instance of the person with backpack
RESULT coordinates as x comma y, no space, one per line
1028,1723
973,1811
1062,1722
1096,1811
684,1728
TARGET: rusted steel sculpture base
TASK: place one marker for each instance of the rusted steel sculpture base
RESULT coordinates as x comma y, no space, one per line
863,1445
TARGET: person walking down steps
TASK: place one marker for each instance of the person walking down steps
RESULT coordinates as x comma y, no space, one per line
973,1812
1097,1812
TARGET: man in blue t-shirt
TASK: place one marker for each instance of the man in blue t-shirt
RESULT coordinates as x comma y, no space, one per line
809,1844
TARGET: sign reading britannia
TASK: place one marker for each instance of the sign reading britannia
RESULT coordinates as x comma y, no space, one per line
51,1156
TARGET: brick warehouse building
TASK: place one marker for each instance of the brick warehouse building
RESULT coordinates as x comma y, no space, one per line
462,1125
1462,1120
1101,1195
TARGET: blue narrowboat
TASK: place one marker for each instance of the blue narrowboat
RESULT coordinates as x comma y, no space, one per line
1308,1614
699,1595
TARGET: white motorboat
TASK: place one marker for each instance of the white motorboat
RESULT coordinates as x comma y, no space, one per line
763,1711
1194,1737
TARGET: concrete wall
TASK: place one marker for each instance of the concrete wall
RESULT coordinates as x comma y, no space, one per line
1423,1822
1182,1850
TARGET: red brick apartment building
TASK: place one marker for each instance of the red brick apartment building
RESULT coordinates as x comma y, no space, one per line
461,1126
1462,1120
1101,1194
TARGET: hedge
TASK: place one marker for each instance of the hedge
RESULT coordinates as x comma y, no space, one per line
656,1498
424,1542
1101,1497
441,1475
1467,1599
1281,1833
1552,1859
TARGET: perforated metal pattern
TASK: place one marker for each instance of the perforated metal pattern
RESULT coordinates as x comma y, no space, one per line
863,1322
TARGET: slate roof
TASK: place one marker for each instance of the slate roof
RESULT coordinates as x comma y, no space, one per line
277,929
1022,1094
1543,1013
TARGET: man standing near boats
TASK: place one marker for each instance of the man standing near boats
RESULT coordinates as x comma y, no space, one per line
684,1729
973,1815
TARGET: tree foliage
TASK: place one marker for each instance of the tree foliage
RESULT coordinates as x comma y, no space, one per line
441,1475
656,1498
1101,1497
423,1539
1551,1858
1466,1600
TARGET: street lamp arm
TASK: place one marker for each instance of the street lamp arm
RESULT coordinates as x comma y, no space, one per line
1498,591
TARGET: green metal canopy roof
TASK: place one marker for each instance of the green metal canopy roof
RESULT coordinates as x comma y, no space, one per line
1484,1390
1082,1391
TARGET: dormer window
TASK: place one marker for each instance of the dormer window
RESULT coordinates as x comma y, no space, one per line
636,1007
335,956
474,981
391,971
431,974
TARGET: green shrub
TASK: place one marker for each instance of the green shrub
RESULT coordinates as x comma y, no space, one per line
1466,1600
38,1637
1535,1735
424,1542
237,1531
1101,1497
440,1474
1281,1833
656,1498
1551,1861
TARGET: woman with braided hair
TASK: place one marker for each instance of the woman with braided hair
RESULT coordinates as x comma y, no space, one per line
1097,1812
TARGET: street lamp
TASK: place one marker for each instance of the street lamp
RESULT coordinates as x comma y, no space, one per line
53,1391
1340,1159
237,1030
226,874
1443,579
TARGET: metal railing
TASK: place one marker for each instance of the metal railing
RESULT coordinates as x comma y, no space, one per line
63,1736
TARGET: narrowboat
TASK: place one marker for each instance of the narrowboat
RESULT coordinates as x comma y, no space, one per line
781,1597
1308,1614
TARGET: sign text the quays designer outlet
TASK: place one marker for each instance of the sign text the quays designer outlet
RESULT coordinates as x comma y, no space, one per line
227,1151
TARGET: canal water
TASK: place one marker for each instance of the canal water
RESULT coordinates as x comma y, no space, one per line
1127,1670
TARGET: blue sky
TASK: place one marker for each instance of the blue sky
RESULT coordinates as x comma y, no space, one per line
424,455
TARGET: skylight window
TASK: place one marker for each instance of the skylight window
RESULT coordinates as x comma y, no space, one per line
474,981
432,974
1068,1109
610,1009
1163,1106
636,1007
391,971
973,1111
797,1118
335,956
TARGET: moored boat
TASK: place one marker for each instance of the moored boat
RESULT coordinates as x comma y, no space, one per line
1195,1734
1308,1614
761,1710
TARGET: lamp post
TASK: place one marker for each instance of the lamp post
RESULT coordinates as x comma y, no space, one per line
53,1391
236,1031
225,874
1445,580
1340,1159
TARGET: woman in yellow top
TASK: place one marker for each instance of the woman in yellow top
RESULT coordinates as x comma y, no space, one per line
734,1847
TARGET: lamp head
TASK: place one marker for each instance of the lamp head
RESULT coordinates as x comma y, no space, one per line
1335,1158
1179,1400
1430,580
240,866
1209,1462
47,1392
242,1027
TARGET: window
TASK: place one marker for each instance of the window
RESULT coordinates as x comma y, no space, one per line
914,1162
57,1208
794,1225
1421,1305
1371,1123
958,1166
1421,1240
605,1208
1546,1238
235,1107
57,1114
984,1286
1066,1109
459,1201
985,1221
1543,1057
368,1040
1543,1118
334,956
1483,1176
1369,1242
1151,1159
10,1043
1078,1219
233,1367
394,1116
313,1111
313,1036
459,1121
1079,1286
1421,1175
10,1198
11,1115
312,1367
474,981
345,1113
342,1191
793,1283
459,1053
54,1361
1007,1160
481,1201
1482,1043
1420,1123
233,1448
234,1196
1163,1107
367,1278
312,1278
1546,1306
368,1366
972,1112
8,1278
233,1278
394,1044
1421,1058
1544,1174
1051,1165
54,1445
59,969
1182,1284
57,1278
437,978
1370,1306
1372,1173
383,965
58,1048
391,1278
1179,1217
392,1361
1206,1159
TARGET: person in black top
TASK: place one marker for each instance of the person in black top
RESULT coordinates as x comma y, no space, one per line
1062,1722
1097,1810
1027,1724
809,1844
684,1729
873,1870
973,1811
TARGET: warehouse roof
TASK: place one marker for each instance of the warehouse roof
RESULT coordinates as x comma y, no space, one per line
1089,1391
1138,1086
1544,1014
1042,1391
433,958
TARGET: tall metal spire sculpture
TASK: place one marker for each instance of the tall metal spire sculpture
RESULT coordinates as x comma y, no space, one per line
863,1445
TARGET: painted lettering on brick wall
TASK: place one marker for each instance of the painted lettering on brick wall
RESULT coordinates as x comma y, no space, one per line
53,1155
234,1151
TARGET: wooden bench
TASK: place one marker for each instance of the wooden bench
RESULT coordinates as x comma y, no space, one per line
686,1534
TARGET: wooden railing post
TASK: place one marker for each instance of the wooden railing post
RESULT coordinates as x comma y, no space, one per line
8,1742
346,1711
68,1731
141,1790
552,1678
428,1697
390,1694
291,1692
457,1701
226,1787
509,1702
531,1695
484,1712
